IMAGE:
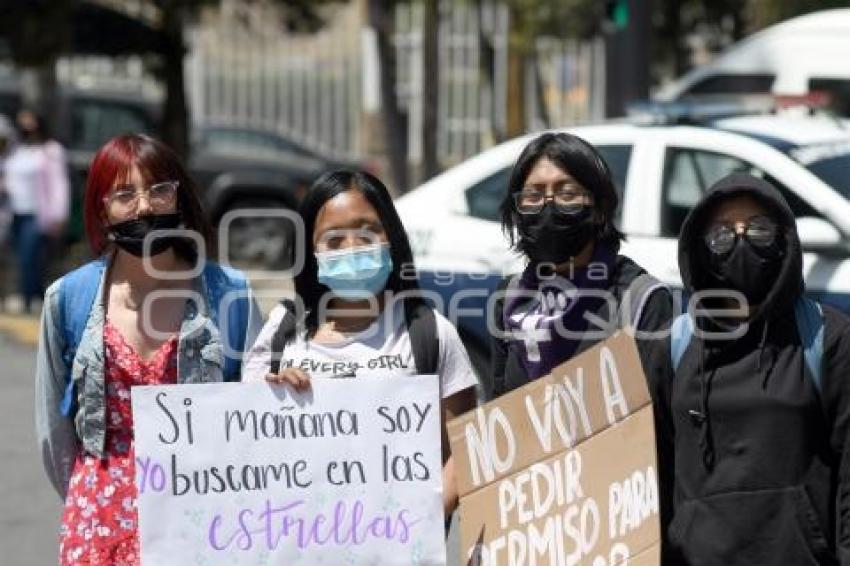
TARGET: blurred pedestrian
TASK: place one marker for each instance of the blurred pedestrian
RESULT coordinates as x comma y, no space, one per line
758,397
36,179
113,324
7,141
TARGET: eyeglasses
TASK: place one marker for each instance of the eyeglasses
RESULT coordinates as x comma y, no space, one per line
125,200
760,231
568,200
337,239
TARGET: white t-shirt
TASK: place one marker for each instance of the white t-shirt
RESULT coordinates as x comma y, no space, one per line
24,171
380,350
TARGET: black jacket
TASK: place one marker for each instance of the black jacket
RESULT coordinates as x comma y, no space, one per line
507,370
761,458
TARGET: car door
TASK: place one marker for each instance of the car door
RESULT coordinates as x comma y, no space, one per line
641,211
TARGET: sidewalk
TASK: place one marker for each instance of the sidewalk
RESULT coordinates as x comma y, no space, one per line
23,329
14,324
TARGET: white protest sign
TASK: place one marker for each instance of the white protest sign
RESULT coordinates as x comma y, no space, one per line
349,473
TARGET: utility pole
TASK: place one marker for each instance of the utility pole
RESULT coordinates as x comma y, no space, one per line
628,32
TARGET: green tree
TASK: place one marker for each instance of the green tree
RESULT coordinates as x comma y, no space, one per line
762,13
36,34
721,21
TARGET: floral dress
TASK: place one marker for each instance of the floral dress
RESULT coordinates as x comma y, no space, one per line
99,524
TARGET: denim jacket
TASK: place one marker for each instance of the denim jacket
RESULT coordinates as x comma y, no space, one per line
200,359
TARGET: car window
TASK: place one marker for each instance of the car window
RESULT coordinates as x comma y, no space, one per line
839,93
834,171
830,161
617,157
732,84
248,142
689,173
93,122
484,198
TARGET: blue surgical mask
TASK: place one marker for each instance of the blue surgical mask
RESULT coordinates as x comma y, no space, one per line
355,273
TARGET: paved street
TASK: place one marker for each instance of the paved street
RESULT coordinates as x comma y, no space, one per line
29,508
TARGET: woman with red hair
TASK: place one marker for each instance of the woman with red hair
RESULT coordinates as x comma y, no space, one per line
151,309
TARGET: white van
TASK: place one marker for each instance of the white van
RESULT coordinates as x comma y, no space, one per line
803,55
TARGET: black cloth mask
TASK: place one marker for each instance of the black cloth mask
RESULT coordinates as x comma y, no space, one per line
748,270
130,234
554,236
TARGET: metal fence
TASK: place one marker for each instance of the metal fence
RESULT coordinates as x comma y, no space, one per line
564,83
312,87
244,70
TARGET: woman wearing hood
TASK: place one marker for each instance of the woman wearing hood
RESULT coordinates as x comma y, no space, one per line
757,406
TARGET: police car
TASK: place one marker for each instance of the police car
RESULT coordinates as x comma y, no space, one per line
661,171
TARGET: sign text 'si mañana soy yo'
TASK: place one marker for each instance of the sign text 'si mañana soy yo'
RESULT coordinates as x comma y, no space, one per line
349,472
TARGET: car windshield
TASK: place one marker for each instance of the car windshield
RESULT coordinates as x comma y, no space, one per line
250,142
830,162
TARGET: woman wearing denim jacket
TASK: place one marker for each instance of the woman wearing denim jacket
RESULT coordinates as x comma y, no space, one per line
146,312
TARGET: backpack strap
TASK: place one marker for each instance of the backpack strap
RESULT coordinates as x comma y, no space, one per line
637,296
77,293
284,334
219,282
810,325
424,341
681,333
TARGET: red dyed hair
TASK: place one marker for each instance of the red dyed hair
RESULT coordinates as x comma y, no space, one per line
156,162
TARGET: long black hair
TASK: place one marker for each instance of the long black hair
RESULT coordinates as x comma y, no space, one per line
401,279
584,164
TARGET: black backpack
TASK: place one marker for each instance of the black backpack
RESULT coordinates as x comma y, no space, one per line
421,326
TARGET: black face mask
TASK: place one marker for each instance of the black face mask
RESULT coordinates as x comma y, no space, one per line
553,236
747,269
130,234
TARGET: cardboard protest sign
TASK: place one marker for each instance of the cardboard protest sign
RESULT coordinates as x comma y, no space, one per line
349,473
563,470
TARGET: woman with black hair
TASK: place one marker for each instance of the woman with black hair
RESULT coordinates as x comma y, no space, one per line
559,212
576,289
361,314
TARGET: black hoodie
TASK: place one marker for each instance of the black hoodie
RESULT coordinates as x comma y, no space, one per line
761,459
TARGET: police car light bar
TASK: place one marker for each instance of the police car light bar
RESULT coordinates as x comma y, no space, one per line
701,109
650,113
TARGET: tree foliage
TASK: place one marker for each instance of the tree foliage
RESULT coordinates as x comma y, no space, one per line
35,31
762,13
